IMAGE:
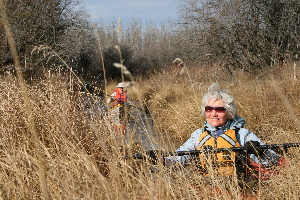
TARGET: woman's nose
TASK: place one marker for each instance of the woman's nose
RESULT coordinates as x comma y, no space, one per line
214,113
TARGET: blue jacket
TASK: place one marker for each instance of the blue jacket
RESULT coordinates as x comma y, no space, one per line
243,135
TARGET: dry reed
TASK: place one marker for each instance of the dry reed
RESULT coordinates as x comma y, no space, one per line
84,159
76,154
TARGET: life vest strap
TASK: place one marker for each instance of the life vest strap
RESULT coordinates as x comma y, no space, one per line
228,139
204,140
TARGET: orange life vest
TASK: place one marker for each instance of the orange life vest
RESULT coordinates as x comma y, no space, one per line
223,163
121,97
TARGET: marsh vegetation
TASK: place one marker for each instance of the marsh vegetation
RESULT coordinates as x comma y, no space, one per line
81,157
56,139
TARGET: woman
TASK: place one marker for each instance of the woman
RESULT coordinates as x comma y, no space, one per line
119,113
223,129
119,96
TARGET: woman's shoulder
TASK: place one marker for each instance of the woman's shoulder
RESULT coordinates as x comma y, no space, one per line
200,130
197,132
243,131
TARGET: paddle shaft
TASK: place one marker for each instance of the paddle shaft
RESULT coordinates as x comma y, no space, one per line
235,149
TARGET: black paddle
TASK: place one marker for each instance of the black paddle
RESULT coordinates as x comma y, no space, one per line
153,153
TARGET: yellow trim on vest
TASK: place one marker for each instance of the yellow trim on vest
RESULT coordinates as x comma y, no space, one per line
224,162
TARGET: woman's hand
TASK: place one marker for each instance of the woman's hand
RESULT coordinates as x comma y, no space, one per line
252,147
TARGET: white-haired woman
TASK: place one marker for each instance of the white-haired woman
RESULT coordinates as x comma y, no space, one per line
223,128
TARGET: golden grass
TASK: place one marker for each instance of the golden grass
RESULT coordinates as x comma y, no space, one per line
83,159
53,147
269,102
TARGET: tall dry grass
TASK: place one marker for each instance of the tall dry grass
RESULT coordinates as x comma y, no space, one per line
84,159
53,146
268,101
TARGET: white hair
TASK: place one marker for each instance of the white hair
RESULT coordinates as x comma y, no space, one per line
214,92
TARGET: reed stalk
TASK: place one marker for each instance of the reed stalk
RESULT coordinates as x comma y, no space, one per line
27,106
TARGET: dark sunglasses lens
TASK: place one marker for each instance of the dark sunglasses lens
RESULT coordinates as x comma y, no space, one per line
208,108
220,109
217,109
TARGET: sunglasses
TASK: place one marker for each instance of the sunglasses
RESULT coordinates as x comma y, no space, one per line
217,109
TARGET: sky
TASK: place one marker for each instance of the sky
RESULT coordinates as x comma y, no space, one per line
157,11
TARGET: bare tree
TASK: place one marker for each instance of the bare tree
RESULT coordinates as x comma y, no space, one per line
247,34
45,22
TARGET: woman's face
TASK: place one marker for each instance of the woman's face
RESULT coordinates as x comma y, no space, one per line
214,118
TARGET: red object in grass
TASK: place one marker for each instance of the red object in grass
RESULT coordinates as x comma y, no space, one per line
266,173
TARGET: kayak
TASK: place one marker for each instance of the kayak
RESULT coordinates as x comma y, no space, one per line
247,180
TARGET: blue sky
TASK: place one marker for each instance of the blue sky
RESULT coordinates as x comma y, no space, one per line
142,10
